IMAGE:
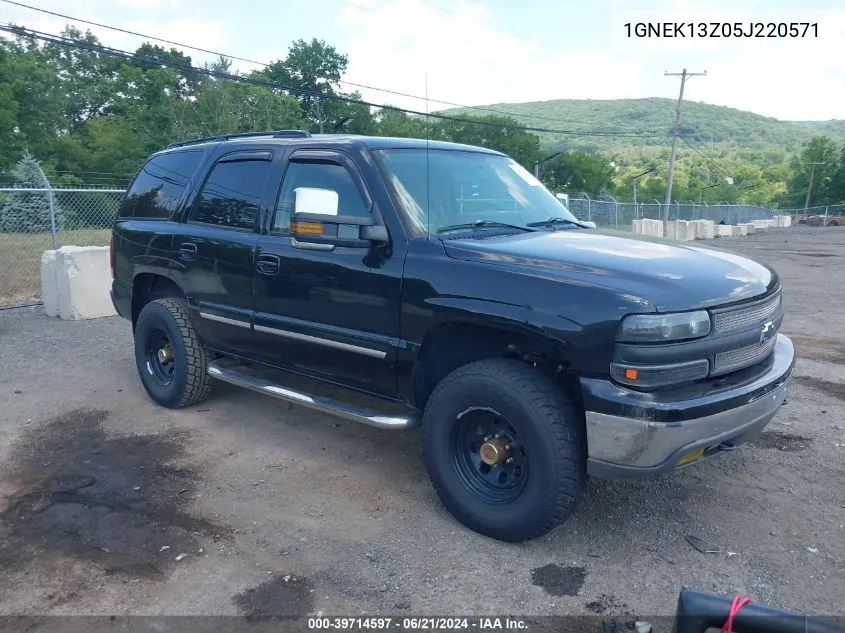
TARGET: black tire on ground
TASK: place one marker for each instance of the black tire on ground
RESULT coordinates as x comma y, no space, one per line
163,324
546,444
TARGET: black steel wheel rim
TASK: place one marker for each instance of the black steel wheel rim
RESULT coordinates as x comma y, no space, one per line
500,482
162,370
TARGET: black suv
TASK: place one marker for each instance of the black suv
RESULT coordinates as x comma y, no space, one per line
442,285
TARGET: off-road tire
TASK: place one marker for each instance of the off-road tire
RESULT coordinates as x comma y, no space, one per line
552,430
190,382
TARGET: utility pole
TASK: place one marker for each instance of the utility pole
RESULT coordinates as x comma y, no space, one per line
683,75
810,186
636,178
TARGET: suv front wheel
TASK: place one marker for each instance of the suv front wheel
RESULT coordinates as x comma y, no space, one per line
171,361
505,449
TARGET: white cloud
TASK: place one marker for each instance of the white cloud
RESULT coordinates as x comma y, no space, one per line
468,60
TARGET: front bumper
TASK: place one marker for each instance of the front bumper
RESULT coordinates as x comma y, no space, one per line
635,434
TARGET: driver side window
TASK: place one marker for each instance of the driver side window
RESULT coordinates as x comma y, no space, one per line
318,175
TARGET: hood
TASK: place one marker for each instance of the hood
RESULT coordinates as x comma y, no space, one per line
665,274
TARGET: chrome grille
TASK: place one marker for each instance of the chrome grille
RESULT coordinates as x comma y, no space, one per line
735,359
745,317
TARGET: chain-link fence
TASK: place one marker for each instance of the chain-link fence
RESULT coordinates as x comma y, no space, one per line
35,220
608,212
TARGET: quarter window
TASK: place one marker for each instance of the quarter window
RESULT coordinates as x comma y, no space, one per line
157,189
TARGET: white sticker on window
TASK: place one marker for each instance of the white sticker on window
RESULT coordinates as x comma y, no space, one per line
526,175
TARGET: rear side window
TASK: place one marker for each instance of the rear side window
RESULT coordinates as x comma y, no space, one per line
158,187
231,197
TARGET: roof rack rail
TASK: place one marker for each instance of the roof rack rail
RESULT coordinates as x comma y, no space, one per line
226,137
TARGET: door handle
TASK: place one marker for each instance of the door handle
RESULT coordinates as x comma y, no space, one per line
268,264
187,250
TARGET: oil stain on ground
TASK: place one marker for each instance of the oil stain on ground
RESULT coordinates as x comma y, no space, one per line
607,604
281,596
832,389
115,502
557,580
775,440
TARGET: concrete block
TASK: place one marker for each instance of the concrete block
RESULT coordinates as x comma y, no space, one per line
762,225
740,230
648,227
749,227
782,221
75,282
653,227
681,230
50,282
723,230
704,229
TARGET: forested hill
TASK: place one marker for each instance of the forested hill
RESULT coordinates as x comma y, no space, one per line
718,127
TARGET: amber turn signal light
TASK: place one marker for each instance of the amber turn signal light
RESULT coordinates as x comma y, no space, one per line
307,228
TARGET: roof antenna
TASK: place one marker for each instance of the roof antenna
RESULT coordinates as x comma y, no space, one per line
427,176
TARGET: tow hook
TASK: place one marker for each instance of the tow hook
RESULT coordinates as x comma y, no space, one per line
725,447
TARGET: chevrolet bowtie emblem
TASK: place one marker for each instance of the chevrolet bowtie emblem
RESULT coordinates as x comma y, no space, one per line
767,332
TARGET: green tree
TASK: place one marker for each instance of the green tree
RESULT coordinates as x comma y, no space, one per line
820,149
579,171
27,211
501,133
395,123
312,72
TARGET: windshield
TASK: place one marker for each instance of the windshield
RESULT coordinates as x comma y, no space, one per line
439,189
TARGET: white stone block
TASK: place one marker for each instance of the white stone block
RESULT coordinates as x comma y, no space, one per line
75,282
704,230
783,221
749,227
762,225
648,227
740,230
723,230
681,230
50,282
654,227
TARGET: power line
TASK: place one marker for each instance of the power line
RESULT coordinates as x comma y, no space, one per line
266,65
710,160
133,57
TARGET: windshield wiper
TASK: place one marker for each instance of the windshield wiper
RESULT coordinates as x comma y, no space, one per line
483,224
553,221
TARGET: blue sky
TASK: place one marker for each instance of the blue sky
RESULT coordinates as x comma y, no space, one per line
476,52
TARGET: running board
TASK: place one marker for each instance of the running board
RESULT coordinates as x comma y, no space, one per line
266,381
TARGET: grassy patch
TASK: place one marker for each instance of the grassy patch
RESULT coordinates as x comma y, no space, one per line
20,260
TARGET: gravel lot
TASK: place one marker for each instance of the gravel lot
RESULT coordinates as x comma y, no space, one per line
244,505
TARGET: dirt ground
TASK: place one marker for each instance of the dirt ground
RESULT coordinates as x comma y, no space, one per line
247,506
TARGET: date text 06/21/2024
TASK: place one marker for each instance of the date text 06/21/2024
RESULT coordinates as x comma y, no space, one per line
722,29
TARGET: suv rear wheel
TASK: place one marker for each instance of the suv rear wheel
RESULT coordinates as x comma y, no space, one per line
171,361
505,449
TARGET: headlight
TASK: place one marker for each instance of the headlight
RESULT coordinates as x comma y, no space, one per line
656,328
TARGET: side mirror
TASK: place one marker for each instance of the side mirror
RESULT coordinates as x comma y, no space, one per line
316,220
315,201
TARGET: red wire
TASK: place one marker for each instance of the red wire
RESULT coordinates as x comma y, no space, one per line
736,604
